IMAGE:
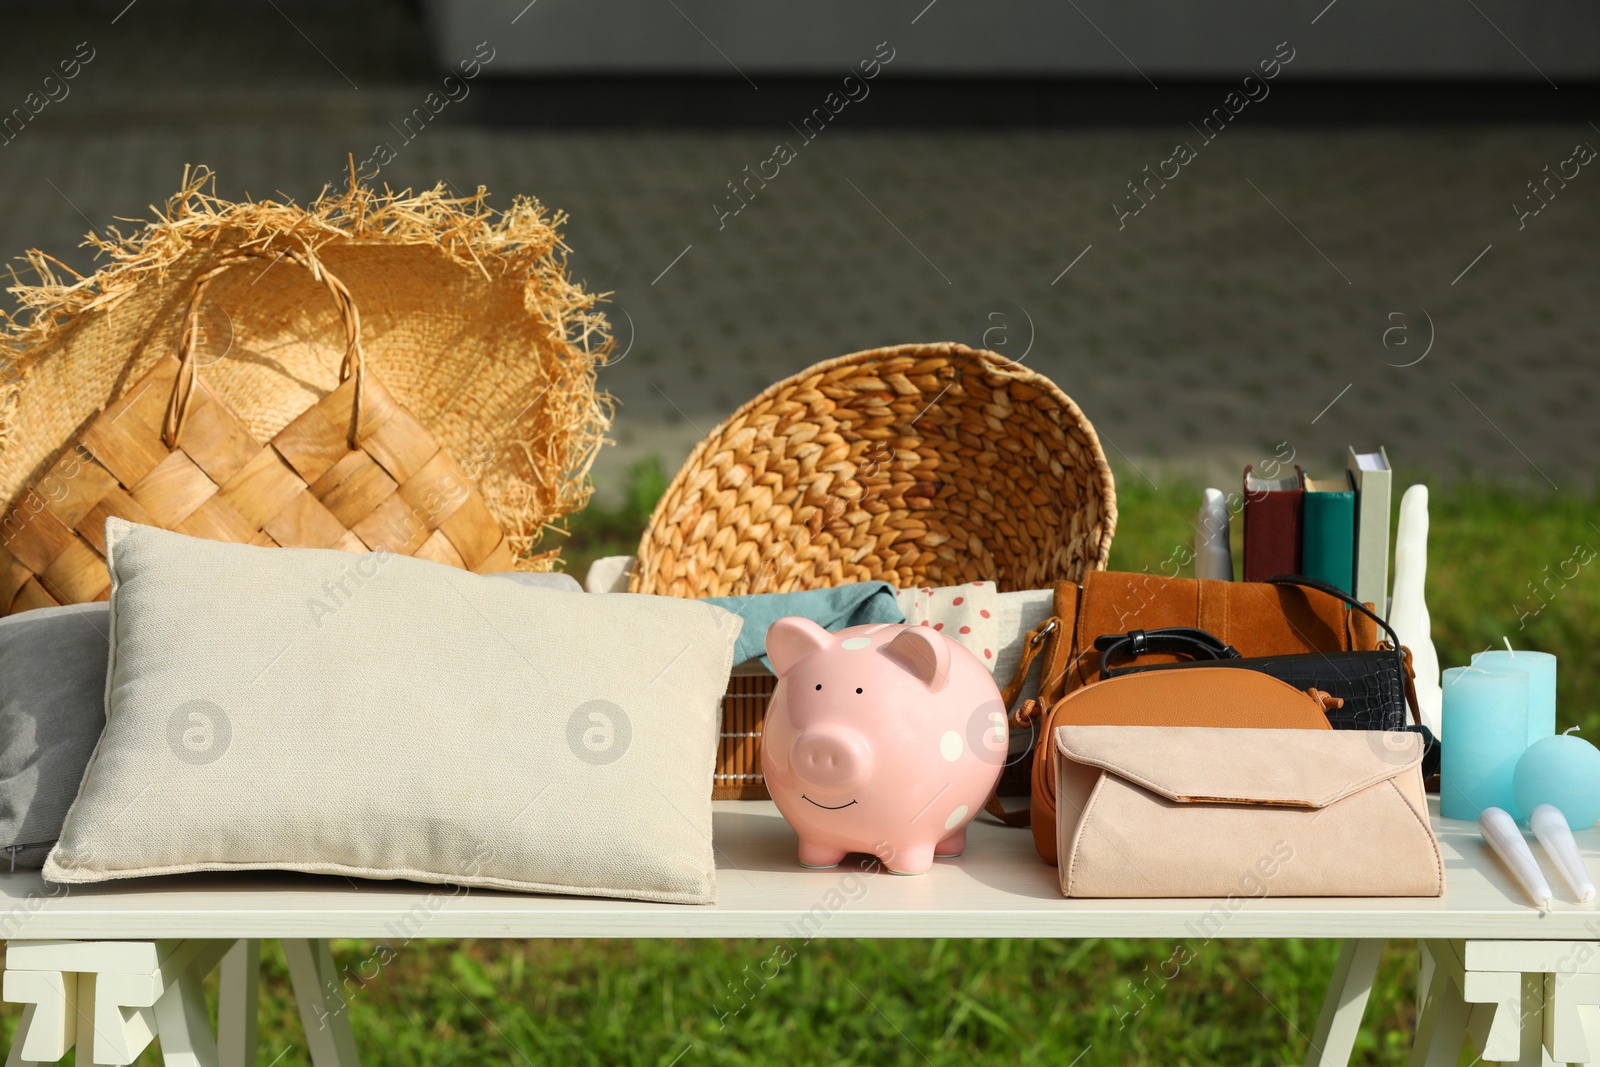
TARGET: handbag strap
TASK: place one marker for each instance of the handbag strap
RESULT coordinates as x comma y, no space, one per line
1334,591
1171,640
1032,645
1039,638
1402,655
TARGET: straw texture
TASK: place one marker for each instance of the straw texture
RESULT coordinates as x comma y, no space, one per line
468,317
919,465
377,483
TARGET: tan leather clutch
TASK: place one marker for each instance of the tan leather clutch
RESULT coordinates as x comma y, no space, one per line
1174,811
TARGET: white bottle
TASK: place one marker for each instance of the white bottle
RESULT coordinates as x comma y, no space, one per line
1408,609
1212,555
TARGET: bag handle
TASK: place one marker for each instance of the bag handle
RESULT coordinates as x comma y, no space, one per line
1032,645
1339,594
353,365
1172,640
1039,638
1401,654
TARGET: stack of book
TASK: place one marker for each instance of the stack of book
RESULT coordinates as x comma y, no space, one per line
1335,529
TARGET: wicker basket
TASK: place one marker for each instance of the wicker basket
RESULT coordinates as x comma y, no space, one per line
923,464
354,471
744,708
916,465
468,319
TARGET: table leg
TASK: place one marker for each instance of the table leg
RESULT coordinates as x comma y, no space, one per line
1345,1003
183,1026
1442,1025
1572,1021
238,1004
49,1023
24,1025
85,1037
322,1008
130,1009
1424,976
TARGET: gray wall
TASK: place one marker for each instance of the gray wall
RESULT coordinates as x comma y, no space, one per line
1554,39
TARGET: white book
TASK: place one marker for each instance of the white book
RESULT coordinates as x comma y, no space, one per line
1373,480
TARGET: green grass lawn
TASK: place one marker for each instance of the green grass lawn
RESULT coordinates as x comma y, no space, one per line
944,1001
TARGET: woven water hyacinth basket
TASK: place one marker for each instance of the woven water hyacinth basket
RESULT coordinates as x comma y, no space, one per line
442,404
922,464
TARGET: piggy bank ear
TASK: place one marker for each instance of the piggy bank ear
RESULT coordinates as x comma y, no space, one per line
791,638
922,652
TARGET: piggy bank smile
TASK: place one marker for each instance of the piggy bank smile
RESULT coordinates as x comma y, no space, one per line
826,807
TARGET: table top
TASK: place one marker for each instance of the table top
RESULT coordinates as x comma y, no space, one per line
999,888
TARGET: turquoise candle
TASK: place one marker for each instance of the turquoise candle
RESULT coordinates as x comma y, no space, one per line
1564,772
1485,721
1541,668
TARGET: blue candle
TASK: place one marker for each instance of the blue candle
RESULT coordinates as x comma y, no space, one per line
1541,668
1562,771
1485,721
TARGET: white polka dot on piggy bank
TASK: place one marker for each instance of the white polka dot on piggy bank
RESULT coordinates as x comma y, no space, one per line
882,739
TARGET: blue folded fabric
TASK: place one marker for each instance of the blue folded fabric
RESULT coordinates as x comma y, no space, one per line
833,609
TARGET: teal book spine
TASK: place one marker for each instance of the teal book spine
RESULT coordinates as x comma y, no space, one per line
1328,538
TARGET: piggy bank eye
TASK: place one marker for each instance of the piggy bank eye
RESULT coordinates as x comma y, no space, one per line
858,689
819,685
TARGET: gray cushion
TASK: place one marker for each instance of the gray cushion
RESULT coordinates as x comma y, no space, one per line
52,708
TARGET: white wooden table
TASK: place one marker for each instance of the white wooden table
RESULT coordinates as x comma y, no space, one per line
115,965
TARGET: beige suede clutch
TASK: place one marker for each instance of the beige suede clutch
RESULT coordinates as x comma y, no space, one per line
1175,811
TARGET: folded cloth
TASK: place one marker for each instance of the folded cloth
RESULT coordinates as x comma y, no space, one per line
968,613
995,623
608,574
833,609
1020,611
541,580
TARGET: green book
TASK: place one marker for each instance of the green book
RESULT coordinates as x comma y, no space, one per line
1328,538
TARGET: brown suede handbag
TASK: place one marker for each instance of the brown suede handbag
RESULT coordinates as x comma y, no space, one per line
1256,618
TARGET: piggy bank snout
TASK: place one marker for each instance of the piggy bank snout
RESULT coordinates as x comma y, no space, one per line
831,757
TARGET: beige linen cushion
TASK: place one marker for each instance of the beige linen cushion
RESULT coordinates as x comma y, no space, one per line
380,716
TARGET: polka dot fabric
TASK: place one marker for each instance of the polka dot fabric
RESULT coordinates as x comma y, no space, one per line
967,613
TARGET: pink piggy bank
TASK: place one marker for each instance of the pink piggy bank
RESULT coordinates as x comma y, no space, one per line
883,739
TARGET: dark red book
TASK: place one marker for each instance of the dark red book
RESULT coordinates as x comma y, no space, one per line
1274,511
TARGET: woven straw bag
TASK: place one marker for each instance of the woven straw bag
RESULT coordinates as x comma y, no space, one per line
354,471
467,317
919,465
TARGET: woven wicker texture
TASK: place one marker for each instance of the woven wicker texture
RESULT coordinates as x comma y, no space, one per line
922,464
468,317
354,471
744,708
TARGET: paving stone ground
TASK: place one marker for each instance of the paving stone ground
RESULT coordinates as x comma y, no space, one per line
1268,293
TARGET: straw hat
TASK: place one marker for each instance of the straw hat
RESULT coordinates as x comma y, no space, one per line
468,318
923,464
